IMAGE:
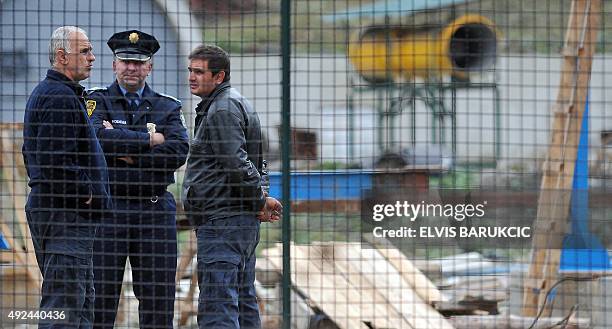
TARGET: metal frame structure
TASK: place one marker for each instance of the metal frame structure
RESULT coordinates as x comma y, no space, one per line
434,95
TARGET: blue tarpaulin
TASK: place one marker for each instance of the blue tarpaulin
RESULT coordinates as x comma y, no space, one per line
323,186
582,250
3,243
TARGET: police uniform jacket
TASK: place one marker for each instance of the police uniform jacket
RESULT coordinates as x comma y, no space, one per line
153,168
63,157
225,173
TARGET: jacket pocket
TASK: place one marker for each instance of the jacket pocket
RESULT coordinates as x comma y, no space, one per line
191,202
86,181
248,191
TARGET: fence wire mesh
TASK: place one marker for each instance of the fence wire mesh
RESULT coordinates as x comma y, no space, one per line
446,164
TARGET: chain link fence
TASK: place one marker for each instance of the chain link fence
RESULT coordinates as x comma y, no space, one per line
441,164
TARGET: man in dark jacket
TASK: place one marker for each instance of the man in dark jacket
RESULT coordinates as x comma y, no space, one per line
69,182
145,141
224,193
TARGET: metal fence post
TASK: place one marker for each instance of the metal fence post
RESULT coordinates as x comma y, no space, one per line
286,157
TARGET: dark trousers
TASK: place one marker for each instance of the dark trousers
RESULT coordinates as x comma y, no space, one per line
226,273
63,242
144,231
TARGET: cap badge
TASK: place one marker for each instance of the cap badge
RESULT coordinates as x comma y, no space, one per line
133,37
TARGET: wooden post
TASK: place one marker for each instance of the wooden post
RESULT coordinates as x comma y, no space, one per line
555,195
186,307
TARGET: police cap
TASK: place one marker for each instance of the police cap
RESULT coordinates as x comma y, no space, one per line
133,45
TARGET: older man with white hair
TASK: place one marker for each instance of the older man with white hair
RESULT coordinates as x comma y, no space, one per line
69,181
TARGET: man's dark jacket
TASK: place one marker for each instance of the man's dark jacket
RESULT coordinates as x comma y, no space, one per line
225,165
153,167
62,155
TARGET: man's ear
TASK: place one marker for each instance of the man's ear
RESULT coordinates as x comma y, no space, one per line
220,76
61,56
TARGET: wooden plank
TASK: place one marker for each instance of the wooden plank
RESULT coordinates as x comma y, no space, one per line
266,273
551,270
16,290
333,288
11,125
186,305
324,289
382,275
186,257
553,204
11,172
419,282
511,322
374,304
534,282
17,270
19,162
10,165
374,286
19,258
301,307
6,257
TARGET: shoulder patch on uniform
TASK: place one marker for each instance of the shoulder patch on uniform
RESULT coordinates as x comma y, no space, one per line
95,89
171,97
90,105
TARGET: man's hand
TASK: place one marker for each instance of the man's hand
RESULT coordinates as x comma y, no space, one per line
271,212
127,160
156,139
88,202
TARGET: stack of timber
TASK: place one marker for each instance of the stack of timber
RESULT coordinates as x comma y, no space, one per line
362,288
353,285
20,278
474,284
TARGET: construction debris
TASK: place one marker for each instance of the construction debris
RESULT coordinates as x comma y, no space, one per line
20,278
360,288
514,322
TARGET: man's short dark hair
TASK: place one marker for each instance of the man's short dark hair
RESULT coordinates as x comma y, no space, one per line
217,59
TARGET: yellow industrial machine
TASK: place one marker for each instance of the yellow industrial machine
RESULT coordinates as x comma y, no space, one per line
391,53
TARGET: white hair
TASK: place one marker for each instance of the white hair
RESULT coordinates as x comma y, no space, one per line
60,39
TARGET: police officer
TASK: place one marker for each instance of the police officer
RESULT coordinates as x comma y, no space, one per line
144,141
69,182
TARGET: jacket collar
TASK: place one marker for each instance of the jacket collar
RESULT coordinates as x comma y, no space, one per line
58,76
148,95
138,92
146,102
203,106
